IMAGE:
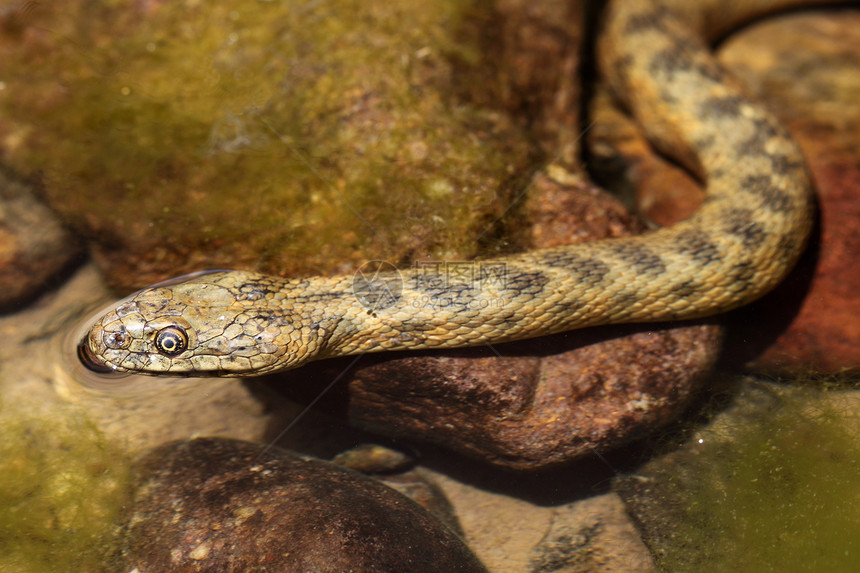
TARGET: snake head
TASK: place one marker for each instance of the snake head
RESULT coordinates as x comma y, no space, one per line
217,324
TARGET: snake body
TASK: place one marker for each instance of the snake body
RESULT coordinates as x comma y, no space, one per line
742,241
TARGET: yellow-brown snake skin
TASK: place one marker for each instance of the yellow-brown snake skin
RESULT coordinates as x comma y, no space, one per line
743,240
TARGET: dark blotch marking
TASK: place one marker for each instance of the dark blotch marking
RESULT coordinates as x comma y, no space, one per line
429,280
559,259
697,246
784,165
704,143
764,131
322,296
687,289
530,283
654,19
269,316
772,197
412,325
768,129
753,147
740,223
729,106
585,271
441,293
682,57
717,173
429,283
669,61
740,275
640,257
787,248
460,294
281,290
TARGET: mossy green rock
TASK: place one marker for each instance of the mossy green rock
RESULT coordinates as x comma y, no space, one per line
770,485
286,137
62,487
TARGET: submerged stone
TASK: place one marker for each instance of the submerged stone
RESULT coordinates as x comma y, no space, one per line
63,485
224,505
770,484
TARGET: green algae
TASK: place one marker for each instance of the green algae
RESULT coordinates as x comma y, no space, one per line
289,137
771,485
62,487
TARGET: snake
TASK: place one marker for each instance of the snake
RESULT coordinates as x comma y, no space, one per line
748,233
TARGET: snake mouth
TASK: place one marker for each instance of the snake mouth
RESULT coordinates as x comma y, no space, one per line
91,361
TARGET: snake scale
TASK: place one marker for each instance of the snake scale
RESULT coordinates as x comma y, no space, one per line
741,242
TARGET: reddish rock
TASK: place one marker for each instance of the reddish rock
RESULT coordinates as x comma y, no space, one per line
566,397
805,67
623,160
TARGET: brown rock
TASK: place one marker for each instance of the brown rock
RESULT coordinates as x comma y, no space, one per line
537,48
562,398
34,245
420,487
223,505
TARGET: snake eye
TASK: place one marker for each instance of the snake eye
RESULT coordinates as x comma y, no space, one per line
171,341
